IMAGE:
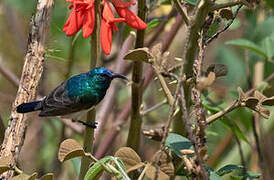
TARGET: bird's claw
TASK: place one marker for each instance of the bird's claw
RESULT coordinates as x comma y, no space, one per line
91,124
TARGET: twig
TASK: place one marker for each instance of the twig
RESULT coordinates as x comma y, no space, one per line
91,115
8,74
215,36
160,29
235,104
136,89
164,86
32,70
226,5
156,106
181,11
240,151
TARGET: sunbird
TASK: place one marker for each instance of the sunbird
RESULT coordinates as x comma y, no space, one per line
78,93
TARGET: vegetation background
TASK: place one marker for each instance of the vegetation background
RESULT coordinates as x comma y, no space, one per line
67,56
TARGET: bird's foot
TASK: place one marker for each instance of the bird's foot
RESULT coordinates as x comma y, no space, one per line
91,125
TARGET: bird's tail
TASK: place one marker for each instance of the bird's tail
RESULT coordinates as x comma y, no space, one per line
29,107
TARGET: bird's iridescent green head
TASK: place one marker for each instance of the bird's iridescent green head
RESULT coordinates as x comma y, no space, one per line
106,73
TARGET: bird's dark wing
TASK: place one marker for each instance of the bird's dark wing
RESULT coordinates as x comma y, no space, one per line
59,103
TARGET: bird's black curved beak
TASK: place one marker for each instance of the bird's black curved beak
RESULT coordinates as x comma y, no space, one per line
114,75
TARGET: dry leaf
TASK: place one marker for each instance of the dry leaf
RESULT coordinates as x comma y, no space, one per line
48,176
205,82
264,112
25,177
151,173
155,134
226,13
70,149
259,95
268,101
251,102
140,54
137,166
218,69
156,51
5,164
166,164
128,156
187,151
241,94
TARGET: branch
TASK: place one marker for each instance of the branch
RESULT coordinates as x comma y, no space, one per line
91,115
31,74
137,89
181,11
226,5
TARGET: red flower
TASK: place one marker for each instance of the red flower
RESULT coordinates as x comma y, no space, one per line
107,27
130,18
82,16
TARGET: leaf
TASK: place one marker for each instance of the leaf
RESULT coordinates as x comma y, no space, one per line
244,43
137,166
253,175
214,176
96,168
166,164
236,128
226,13
176,142
69,149
140,54
48,176
270,3
228,169
151,172
205,82
268,101
5,164
218,69
154,23
25,177
121,167
128,156
192,2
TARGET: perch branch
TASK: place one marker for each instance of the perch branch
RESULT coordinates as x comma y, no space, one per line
31,74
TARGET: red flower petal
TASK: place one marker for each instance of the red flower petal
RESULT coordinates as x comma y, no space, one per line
89,21
74,22
106,37
130,18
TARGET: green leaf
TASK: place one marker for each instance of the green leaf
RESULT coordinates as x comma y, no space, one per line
246,44
268,46
236,128
253,175
96,168
176,142
192,2
228,169
121,167
214,176
153,23
270,3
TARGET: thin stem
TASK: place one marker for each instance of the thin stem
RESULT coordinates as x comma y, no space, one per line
91,115
235,104
136,99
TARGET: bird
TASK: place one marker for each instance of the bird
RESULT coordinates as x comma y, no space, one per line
80,92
